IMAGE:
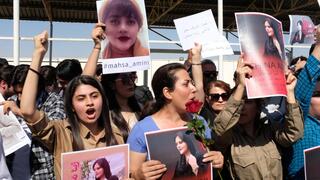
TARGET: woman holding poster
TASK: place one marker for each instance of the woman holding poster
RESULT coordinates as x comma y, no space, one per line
173,88
252,145
123,21
88,125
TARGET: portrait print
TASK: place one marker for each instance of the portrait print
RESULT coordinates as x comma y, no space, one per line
180,152
110,163
126,31
261,41
301,30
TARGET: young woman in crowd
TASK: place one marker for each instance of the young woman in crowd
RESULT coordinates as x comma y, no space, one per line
87,126
251,145
173,88
217,93
119,88
124,108
123,20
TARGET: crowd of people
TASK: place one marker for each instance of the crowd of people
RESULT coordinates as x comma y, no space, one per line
67,108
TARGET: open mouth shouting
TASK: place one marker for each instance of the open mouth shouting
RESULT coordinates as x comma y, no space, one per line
91,113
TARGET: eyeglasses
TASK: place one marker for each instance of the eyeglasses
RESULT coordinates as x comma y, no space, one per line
127,79
216,97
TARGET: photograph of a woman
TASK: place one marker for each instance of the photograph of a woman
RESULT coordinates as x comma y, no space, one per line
123,22
261,41
274,43
102,170
298,35
190,161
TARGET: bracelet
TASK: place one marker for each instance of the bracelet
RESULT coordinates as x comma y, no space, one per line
97,48
197,64
35,71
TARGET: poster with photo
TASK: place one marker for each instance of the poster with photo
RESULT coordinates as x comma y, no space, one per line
202,28
312,163
261,41
301,30
180,152
126,46
13,135
106,163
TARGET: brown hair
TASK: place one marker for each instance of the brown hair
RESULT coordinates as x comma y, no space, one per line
220,84
126,8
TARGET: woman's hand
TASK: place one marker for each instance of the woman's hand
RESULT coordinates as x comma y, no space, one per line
97,34
291,82
196,53
41,43
215,157
317,34
244,70
11,106
152,169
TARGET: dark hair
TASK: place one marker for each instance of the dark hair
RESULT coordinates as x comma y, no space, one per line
312,48
103,120
108,83
182,164
99,69
295,60
164,77
300,22
208,62
49,74
68,69
269,48
104,164
6,73
19,75
220,84
127,8
3,61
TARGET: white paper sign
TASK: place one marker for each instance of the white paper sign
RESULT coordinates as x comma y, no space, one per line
14,137
202,28
121,65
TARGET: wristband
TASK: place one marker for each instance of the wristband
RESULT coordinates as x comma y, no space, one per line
35,71
196,64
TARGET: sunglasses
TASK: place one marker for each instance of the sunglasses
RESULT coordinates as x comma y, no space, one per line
127,79
316,94
216,97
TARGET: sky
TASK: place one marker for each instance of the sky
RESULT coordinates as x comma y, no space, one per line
82,49
65,30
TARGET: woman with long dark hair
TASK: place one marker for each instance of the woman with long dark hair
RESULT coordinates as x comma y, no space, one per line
274,43
173,88
124,108
88,125
102,170
190,160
